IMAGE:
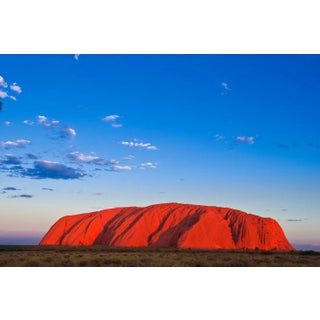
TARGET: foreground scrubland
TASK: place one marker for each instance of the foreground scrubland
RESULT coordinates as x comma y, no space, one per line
99,256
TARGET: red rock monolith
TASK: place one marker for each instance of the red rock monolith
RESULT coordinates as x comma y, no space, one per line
169,225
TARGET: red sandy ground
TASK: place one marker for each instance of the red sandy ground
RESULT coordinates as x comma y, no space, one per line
169,225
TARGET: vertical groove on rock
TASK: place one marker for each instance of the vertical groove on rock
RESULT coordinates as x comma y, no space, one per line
108,232
152,235
72,227
170,237
131,225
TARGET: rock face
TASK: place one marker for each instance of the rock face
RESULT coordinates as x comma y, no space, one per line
169,225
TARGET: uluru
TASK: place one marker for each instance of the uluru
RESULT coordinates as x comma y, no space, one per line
172,225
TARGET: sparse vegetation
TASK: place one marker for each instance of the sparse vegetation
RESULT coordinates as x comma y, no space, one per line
99,256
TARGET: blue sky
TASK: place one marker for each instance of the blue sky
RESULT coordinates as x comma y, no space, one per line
88,132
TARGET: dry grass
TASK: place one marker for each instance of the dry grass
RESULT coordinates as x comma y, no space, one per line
98,256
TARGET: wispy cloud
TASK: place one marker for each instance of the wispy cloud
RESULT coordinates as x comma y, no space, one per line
47,189
149,165
219,137
60,131
129,157
225,86
44,121
3,83
31,156
16,88
27,196
116,125
4,93
20,143
80,157
141,145
112,117
121,168
7,123
67,132
11,160
233,142
10,189
28,122
113,161
113,120
52,170
249,140
76,56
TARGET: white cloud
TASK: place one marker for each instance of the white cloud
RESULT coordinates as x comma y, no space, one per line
3,94
147,146
116,125
20,143
68,132
7,123
129,157
249,140
235,140
225,86
76,56
64,132
28,122
16,88
112,117
219,137
44,121
112,161
121,168
80,157
148,165
3,83
13,87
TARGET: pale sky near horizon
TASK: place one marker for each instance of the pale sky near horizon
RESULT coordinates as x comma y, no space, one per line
80,133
